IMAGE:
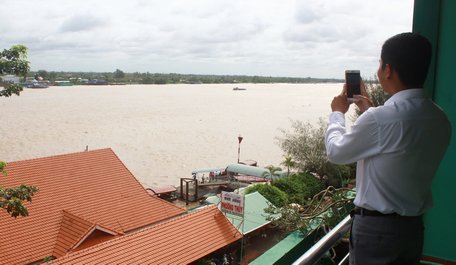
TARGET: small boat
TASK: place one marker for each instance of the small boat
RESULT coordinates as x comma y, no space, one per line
63,83
37,84
239,88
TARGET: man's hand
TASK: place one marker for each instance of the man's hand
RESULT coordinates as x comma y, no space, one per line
340,103
363,101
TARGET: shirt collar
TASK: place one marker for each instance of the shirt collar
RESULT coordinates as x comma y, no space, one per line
406,94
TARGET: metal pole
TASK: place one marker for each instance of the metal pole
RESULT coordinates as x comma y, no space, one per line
239,146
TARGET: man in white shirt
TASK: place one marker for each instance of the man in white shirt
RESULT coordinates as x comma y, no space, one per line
398,147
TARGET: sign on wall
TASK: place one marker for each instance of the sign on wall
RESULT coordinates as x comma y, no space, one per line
232,203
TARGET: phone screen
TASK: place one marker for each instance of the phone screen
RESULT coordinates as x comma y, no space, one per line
353,82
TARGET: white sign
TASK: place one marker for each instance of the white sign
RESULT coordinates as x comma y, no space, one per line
232,203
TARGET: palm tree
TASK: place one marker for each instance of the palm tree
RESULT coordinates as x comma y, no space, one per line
289,163
272,172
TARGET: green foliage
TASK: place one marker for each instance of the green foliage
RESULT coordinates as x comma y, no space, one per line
305,144
326,208
2,168
175,78
299,187
375,92
289,163
273,194
272,173
118,74
11,199
13,61
44,74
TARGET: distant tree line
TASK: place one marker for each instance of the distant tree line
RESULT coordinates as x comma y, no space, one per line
119,76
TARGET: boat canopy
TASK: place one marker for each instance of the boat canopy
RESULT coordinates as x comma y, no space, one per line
207,170
246,170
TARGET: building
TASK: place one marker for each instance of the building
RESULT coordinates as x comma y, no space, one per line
181,240
84,199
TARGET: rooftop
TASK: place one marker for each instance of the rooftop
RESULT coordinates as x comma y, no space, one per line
180,240
84,198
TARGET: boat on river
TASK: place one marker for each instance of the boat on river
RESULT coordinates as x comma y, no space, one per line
36,84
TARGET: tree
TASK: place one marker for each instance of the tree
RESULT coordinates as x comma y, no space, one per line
305,144
44,74
329,206
272,172
289,163
14,61
118,74
11,199
299,187
273,194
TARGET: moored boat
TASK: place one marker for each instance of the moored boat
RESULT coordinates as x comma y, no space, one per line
36,84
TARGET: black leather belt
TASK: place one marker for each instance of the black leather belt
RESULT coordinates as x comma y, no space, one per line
366,212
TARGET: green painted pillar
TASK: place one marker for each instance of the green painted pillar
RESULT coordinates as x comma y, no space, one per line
436,19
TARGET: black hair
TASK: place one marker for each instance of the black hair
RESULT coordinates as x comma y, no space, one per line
409,55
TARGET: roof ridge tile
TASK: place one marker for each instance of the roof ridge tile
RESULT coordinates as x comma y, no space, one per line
60,155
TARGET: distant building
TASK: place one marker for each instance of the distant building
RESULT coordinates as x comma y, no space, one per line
10,79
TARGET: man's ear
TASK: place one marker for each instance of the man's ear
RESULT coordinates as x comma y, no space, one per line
388,71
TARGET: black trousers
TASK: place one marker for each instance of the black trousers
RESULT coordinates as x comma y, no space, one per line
386,240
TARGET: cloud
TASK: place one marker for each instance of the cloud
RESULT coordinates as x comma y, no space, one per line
80,23
288,37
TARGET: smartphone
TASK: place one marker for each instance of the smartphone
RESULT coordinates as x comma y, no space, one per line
353,83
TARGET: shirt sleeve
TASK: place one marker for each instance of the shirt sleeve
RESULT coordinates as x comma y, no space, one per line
360,142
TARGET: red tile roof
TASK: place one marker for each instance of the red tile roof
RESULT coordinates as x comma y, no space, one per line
80,195
74,231
181,240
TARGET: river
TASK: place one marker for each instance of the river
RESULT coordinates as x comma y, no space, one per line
160,132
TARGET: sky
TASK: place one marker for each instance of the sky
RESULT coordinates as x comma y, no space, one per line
294,38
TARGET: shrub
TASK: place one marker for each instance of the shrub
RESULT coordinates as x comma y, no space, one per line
299,187
274,195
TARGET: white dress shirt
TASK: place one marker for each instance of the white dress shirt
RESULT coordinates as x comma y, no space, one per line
398,148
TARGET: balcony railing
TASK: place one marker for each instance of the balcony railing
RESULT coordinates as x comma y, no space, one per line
325,244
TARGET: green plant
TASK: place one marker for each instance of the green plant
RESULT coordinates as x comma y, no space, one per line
289,163
272,172
14,61
326,208
273,194
299,187
305,144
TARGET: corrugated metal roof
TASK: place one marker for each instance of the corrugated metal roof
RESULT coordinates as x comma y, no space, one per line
254,215
95,187
181,240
